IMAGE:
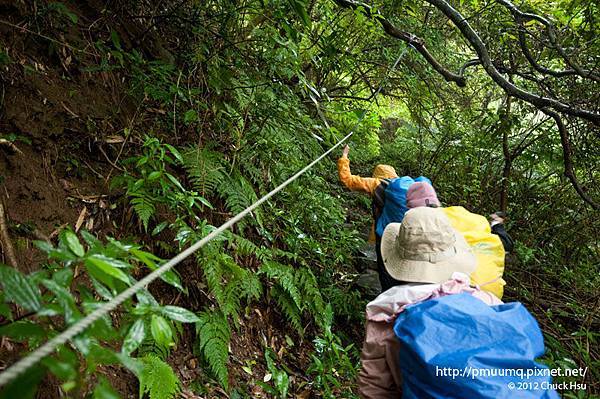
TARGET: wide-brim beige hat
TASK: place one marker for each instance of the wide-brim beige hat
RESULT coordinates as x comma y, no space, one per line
425,248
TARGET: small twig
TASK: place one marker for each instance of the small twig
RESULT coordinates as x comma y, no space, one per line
45,37
11,145
73,114
9,250
114,165
57,230
175,109
93,170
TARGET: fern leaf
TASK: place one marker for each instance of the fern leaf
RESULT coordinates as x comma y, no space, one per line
214,335
311,294
205,168
239,194
144,207
288,307
158,379
245,247
213,272
284,276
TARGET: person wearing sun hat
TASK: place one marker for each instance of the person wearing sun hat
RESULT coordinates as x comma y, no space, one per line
428,259
425,248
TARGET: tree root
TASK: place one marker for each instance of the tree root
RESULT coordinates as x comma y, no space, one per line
7,246
11,146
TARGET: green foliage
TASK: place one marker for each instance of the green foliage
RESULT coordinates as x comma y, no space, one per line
296,292
254,96
206,168
228,282
278,377
157,379
213,342
334,366
104,390
208,172
150,183
108,269
62,11
4,58
20,289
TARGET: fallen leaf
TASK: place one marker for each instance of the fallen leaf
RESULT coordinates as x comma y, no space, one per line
81,218
114,139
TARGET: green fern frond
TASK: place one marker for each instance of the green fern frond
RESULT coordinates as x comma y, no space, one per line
284,276
311,294
239,194
288,307
212,267
250,287
239,284
245,247
214,334
143,205
158,379
206,169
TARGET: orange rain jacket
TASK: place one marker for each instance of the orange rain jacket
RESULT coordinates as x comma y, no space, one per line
364,184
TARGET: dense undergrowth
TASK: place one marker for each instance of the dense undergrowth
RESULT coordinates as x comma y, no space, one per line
253,94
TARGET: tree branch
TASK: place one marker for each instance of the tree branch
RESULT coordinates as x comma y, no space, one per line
412,40
521,17
537,100
569,170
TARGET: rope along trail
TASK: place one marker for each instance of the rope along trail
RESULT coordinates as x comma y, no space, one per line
46,349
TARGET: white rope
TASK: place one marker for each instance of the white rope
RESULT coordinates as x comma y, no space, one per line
22,365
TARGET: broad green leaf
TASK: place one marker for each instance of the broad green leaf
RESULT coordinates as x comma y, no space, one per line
101,289
190,116
175,181
134,337
43,246
175,152
154,175
107,269
22,330
204,201
66,300
160,227
179,314
63,277
73,243
161,331
105,391
99,354
144,297
25,386
91,240
149,259
19,289
110,261
64,370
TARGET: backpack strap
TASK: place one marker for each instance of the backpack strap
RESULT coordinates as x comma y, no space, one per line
379,198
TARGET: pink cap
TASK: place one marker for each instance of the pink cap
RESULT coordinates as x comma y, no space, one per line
421,194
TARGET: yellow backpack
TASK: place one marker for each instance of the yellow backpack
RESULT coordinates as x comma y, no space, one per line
486,246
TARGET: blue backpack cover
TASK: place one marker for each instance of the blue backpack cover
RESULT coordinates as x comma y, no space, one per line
394,206
456,346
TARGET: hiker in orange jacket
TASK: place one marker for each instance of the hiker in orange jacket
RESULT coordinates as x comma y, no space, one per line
364,184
